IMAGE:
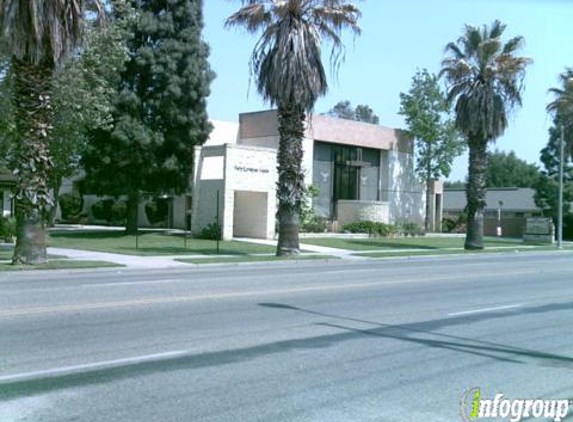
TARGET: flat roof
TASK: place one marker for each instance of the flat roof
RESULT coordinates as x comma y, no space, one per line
514,199
264,124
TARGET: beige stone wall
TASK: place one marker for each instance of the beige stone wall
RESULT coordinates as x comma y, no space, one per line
272,142
406,194
351,211
250,169
247,170
205,190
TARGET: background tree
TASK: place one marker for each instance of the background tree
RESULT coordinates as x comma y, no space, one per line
362,113
7,125
82,88
485,80
160,112
547,190
37,35
562,105
84,92
505,169
289,73
437,142
454,184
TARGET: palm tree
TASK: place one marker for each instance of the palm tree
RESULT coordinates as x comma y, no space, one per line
562,105
485,80
37,35
289,73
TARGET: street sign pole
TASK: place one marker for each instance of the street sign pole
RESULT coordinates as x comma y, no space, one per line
218,225
560,211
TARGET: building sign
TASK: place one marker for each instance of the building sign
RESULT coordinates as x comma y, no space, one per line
539,230
244,169
538,226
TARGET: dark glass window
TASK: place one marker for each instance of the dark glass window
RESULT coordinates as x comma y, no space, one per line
343,172
322,176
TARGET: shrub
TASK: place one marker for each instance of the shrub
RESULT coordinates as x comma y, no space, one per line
156,210
373,228
101,210
455,225
407,228
70,205
213,231
449,224
118,212
314,225
307,211
7,229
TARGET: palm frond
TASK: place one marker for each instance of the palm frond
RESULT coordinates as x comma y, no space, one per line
562,105
287,59
484,78
253,16
38,30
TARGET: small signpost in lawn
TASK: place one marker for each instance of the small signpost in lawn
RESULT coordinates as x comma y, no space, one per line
137,228
219,230
539,230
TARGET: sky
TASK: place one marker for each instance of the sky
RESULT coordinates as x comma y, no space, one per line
398,37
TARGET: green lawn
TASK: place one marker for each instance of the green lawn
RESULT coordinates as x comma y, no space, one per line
60,265
232,260
150,243
429,243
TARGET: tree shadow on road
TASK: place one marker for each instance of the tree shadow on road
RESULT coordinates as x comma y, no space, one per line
425,333
419,333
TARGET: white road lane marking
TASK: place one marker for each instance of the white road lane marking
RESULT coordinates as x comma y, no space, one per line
164,300
479,311
132,283
69,370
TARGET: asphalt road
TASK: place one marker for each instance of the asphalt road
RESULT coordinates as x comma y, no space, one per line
314,341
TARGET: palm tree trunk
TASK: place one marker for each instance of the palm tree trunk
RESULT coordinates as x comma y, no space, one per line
290,188
32,102
476,192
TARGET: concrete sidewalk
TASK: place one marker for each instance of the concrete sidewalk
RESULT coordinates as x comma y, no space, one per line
135,261
130,261
323,250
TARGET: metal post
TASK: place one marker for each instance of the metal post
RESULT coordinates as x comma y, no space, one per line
560,210
219,228
137,225
185,230
499,229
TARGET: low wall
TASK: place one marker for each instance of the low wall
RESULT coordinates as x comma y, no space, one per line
352,211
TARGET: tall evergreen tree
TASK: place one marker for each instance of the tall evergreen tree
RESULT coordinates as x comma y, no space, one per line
160,113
